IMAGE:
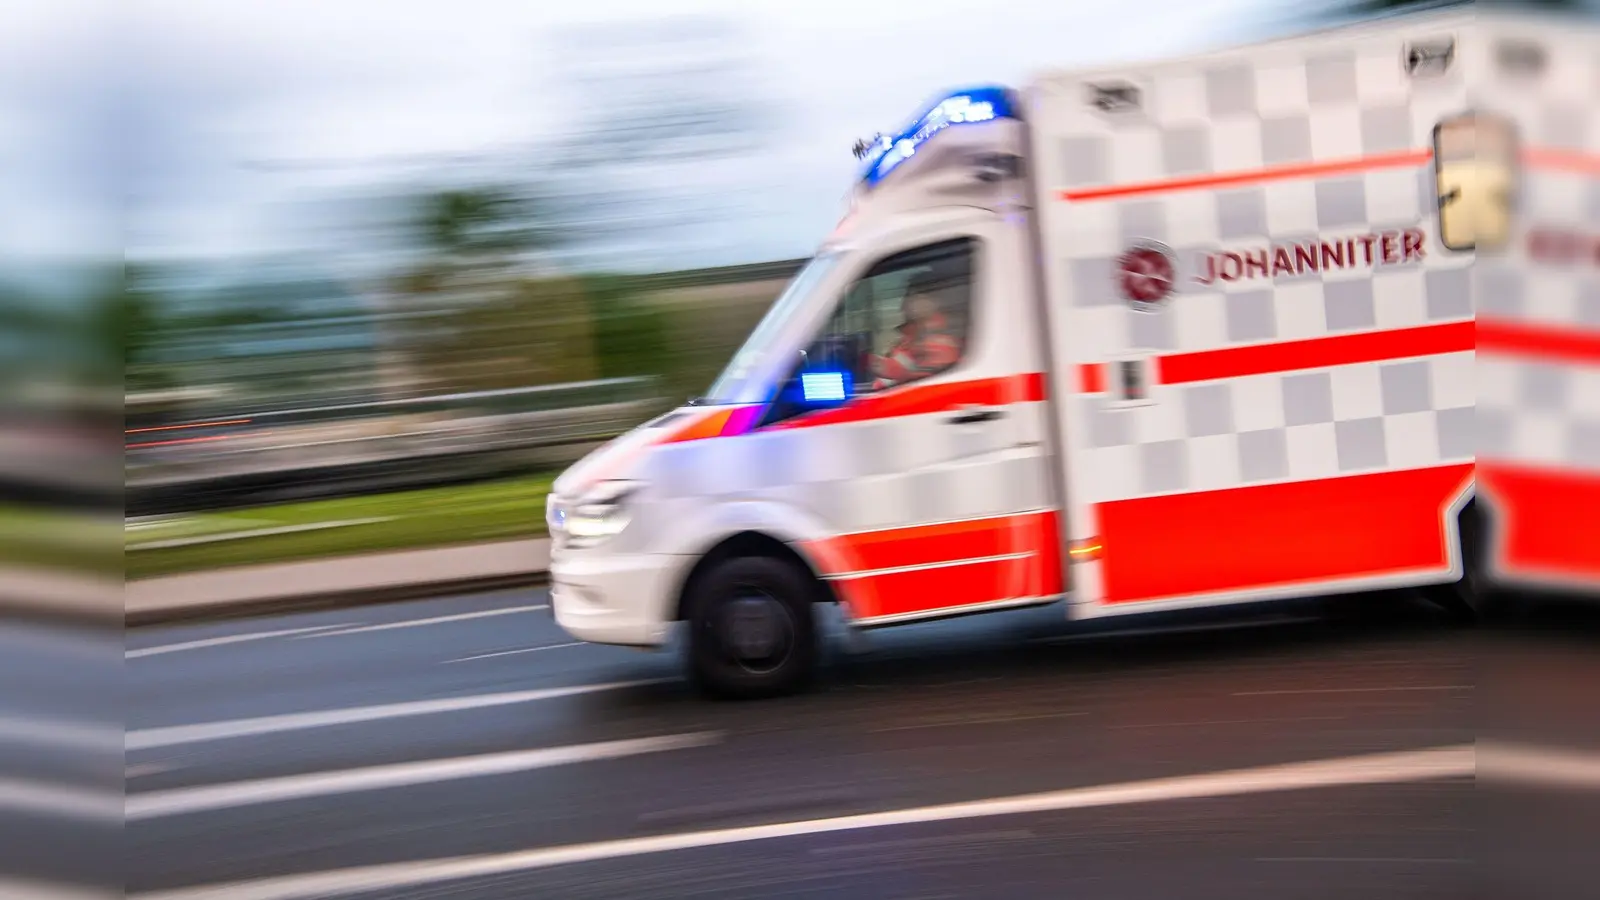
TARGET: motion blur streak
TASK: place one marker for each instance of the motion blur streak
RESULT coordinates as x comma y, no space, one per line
1539,766
1384,768
145,739
357,281
42,890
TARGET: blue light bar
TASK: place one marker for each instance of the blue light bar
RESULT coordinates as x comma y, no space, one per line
981,104
824,387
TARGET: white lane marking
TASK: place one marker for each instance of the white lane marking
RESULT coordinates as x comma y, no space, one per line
1551,767
144,771
516,652
59,800
215,731
170,543
17,889
431,771
60,733
1356,690
436,620
1380,768
229,639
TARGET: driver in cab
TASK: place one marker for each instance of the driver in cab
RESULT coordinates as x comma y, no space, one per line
926,345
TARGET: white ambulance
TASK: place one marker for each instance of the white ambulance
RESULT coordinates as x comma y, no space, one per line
1164,336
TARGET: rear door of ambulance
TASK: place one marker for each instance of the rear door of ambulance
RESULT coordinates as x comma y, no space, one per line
1263,350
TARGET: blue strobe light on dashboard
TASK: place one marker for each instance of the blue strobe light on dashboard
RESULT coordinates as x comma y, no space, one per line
824,387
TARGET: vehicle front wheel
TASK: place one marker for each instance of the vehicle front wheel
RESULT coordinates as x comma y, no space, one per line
752,630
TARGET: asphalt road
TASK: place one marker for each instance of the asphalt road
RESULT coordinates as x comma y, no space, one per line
467,748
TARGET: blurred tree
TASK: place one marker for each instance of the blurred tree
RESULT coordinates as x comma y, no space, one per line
491,225
644,107
483,312
128,328
630,334
530,332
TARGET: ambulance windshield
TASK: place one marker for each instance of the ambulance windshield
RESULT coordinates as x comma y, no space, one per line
742,381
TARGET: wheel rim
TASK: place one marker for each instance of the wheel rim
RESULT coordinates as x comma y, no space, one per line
755,631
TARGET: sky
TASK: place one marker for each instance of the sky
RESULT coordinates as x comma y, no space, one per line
222,128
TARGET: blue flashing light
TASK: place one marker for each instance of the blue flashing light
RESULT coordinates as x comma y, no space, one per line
825,387
982,104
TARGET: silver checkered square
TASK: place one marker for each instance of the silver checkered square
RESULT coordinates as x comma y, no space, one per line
863,476
1301,103
1288,105
1538,412
1288,427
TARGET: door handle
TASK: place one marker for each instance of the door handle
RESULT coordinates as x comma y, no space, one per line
975,416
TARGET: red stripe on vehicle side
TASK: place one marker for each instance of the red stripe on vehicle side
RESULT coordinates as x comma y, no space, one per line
1540,341
920,399
1252,176
1266,536
1316,353
1291,356
873,592
1545,521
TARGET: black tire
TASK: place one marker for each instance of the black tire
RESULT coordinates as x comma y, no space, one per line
772,599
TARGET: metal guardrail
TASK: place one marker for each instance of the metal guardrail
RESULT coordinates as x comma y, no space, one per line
776,270
541,398
441,453
447,437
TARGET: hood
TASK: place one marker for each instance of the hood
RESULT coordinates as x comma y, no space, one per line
621,457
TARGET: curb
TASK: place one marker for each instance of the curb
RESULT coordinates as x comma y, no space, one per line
60,598
223,610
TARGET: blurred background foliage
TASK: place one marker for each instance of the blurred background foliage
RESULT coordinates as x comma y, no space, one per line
517,267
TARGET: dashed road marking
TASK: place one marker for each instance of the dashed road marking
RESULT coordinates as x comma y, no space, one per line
229,639
60,801
1381,768
173,735
157,804
517,652
435,620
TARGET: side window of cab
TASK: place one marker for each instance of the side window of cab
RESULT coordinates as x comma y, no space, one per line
907,318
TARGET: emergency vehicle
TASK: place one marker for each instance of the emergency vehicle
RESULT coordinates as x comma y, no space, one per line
1216,345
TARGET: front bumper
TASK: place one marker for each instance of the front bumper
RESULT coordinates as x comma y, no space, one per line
626,599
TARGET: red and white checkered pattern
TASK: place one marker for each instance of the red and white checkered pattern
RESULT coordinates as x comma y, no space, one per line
1324,99
1264,429
862,476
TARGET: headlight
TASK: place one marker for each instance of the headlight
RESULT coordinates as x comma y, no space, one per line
555,515
601,515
